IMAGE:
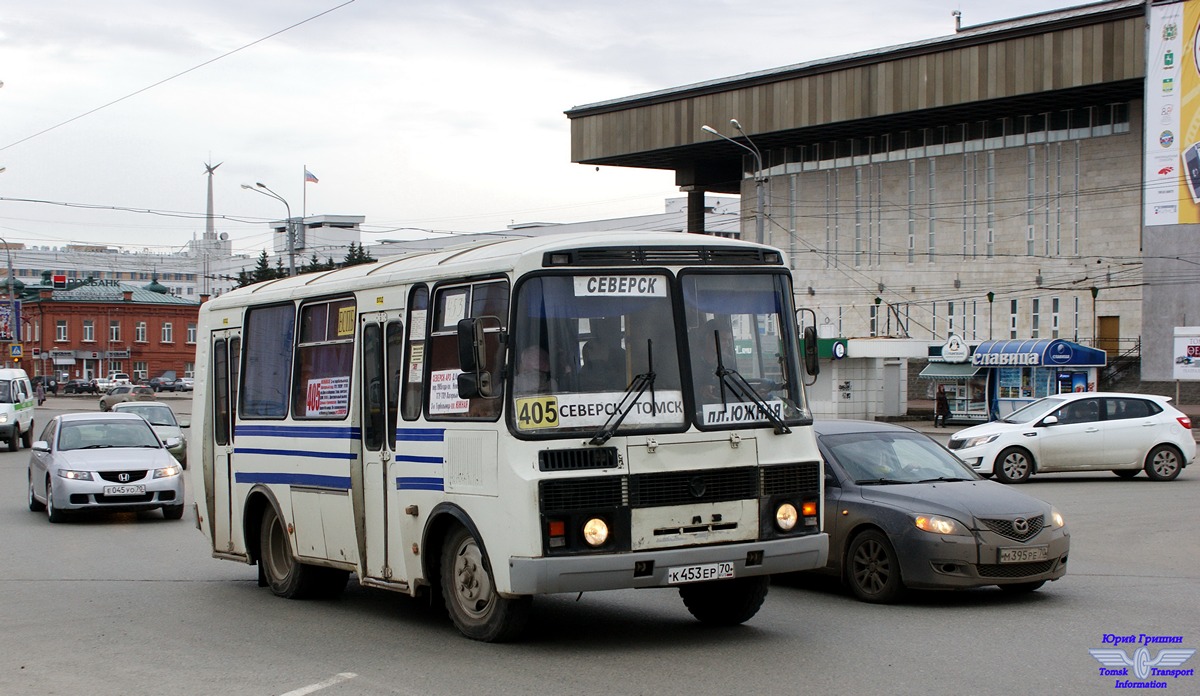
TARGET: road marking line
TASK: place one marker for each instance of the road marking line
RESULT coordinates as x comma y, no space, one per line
344,676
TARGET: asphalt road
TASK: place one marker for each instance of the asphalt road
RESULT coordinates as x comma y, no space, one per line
133,604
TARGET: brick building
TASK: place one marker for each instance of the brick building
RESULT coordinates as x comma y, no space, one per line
84,329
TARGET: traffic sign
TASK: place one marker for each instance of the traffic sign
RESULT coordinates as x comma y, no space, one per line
14,350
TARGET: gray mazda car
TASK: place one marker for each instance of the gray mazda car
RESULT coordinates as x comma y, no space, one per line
903,512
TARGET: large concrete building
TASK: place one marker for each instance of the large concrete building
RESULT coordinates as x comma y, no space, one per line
987,184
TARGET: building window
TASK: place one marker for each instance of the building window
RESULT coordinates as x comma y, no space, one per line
115,366
189,369
89,331
191,332
114,331
60,330
139,332
140,370
1036,316
1054,326
168,333
1012,319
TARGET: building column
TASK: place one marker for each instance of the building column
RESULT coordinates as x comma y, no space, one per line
695,211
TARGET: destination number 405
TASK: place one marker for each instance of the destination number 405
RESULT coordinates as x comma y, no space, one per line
537,412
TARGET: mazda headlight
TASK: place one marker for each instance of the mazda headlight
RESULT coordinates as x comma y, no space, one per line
75,475
979,440
1056,518
937,524
166,472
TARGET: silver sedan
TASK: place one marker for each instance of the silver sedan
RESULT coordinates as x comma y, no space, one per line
103,462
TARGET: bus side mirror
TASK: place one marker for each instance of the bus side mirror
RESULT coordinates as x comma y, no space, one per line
809,348
470,345
474,380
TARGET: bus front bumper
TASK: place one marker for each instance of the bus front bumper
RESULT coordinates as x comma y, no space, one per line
529,576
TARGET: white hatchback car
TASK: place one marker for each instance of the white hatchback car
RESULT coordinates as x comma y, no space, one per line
1082,431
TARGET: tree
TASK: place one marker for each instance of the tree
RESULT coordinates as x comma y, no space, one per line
357,254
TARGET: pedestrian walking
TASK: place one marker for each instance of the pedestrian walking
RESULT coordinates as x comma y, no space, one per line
942,408
41,394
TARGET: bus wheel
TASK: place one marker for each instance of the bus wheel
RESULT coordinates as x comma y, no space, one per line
284,575
725,602
477,610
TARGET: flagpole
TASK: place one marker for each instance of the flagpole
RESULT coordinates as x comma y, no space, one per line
304,187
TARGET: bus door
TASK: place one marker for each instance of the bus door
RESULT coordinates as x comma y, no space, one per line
225,356
382,359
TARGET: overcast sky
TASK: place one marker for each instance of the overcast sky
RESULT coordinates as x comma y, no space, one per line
443,116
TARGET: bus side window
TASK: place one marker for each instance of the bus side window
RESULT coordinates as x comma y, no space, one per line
451,304
413,367
220,362
394,368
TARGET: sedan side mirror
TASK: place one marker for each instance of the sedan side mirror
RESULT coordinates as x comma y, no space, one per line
1050,420
172,442
40,446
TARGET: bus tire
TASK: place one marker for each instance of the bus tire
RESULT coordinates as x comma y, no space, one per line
725,602
469,590
287,577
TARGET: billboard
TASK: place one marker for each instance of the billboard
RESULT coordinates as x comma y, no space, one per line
1172,121
1187,353
10,320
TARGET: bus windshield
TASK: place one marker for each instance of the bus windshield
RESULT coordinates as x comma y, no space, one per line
604,353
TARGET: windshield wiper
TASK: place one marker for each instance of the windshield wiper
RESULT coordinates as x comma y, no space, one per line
96,447
742,389
641,382
880,482
943,478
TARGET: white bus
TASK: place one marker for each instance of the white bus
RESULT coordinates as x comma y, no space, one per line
515,418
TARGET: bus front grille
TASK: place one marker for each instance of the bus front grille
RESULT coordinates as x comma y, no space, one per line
683,487
577,459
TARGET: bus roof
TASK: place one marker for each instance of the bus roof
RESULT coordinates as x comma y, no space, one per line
469,259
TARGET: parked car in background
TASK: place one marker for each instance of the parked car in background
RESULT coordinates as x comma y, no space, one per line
119,378
1082,431
105,461
902,512
50,383
125,392
103,384
80,386
185,384
162,419
164,382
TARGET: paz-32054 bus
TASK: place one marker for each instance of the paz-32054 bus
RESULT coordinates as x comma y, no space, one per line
523,417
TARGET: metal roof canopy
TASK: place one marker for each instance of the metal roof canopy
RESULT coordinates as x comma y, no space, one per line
942,370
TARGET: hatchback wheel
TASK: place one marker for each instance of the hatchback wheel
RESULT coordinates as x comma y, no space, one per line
1013,465
1163,463
872,568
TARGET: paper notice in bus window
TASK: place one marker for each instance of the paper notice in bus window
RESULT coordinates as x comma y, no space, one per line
443,393
327,397
415,362
454,310
620,286
416,325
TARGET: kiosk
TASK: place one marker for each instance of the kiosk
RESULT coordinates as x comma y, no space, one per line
1020,371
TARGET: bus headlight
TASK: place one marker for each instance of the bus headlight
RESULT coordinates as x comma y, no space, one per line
786,517
595,532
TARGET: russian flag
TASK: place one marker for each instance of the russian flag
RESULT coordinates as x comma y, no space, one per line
309,177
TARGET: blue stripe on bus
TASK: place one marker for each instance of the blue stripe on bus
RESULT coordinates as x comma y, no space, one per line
419,460
307,431
421,434
340,482
420,483
295,453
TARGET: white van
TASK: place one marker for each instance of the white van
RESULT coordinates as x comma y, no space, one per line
16,408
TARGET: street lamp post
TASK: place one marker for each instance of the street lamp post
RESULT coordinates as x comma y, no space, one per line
759,173
291,223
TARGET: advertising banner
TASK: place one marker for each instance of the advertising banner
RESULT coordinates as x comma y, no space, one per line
1187,353
1172,119
10,320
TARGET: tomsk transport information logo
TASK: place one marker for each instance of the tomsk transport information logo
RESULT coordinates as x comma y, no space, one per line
1150,672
